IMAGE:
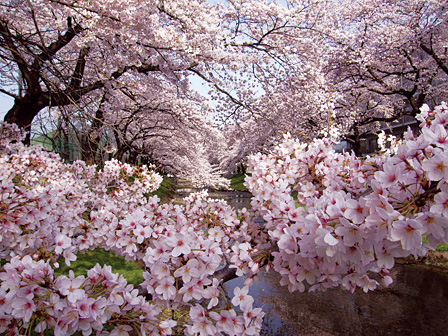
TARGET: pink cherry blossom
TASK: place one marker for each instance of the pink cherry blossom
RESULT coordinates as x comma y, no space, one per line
23,309
166,288
188,271
241,297
437,167
180,244
71,287
409,233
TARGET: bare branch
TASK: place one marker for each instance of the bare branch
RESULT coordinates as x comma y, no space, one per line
430,51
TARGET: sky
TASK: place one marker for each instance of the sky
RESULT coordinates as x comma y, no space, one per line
6,103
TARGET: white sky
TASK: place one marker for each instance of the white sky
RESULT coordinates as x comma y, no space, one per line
6,103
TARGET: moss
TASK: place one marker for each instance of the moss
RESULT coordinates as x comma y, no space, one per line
166,190
237,182
130,270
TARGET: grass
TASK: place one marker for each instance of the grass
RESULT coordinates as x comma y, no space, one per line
166,190
442,248
131,271
237,182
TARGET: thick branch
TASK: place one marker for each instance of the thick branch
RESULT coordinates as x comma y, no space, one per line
438,60
9,94
370,120
78,74
140,69
18,59
49,52
225,274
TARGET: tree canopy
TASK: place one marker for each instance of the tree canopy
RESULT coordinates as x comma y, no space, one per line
122,69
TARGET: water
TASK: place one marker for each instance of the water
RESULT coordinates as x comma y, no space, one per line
415,304
237,199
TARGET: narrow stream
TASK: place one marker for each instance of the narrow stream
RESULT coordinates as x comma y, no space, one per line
415,304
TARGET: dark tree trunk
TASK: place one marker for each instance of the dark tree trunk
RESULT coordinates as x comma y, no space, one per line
120,152
88,154
356,141
65,154
356,146
243,169
132,158
91,145
23,113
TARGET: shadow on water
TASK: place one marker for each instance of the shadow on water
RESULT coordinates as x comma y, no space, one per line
415,304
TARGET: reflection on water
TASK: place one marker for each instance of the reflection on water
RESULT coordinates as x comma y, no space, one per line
237,199
415,304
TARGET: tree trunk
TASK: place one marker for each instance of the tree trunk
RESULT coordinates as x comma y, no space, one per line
356,141
23,113
65,153
89,151
121,150
91,146
132,158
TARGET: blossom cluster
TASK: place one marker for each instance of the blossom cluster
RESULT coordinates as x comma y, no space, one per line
50,209
184,258
32,299
46,204
329,219
336,217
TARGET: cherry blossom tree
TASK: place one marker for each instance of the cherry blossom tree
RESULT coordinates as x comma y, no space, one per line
370,59
282,38
61,53
351,219
381,64
99,65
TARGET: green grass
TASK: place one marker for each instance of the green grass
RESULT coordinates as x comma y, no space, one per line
130,270
442,248
166,190
236,182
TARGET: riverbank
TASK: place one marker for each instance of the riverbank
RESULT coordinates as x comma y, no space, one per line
435,260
